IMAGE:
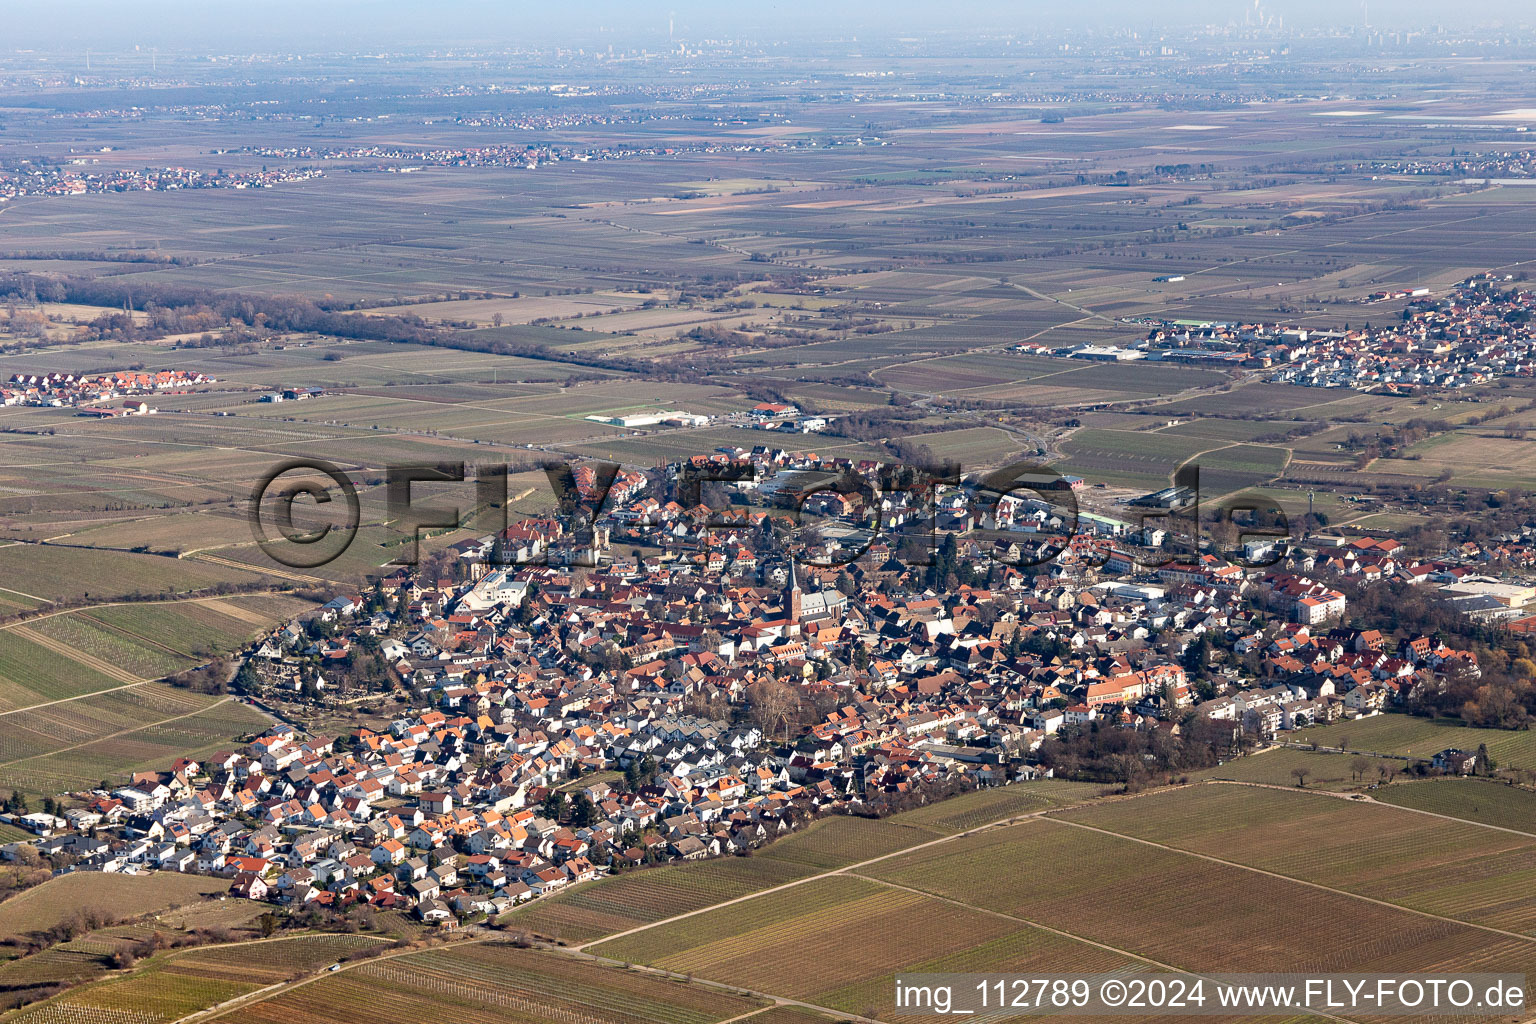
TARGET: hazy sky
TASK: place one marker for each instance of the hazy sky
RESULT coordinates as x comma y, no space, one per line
240,26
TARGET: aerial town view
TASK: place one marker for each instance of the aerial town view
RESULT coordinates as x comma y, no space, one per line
841,513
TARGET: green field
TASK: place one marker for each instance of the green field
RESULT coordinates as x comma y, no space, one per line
972,446
1491,803
31,673
1273,766
169,986
839,841
116,895
73,705
52,573
1411,736
73,746
983,806
645,895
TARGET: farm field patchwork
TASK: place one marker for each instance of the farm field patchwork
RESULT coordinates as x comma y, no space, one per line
1148,458
74,745
1218,911
642,896
708,234
635,898
796,942
791,937
490,984
170,986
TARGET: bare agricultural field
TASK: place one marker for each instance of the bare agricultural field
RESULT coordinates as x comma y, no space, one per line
520,310
1223,913
797,942
1475,459
491,983
1375,851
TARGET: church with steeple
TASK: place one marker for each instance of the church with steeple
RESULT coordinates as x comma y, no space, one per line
794,598
801,608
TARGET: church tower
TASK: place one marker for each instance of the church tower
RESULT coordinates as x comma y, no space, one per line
793,595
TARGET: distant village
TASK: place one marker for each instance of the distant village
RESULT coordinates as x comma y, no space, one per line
91,392
569,708
1481,333
404,159
72,180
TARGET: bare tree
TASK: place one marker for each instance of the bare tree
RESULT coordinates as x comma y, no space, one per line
1300,775
1359,765
773,702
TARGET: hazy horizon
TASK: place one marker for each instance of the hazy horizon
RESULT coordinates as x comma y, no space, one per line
359,24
